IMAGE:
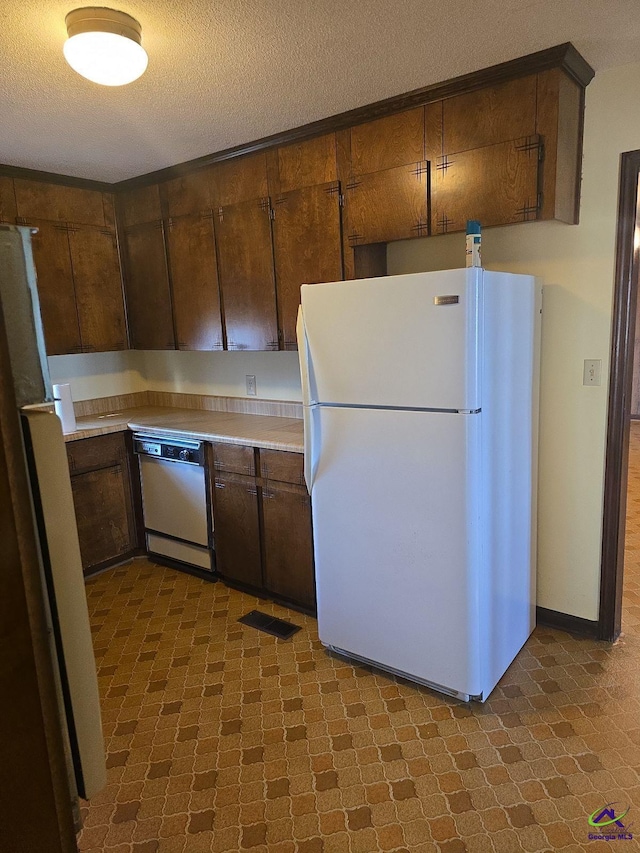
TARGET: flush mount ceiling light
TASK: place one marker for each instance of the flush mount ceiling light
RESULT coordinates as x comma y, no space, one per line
104,46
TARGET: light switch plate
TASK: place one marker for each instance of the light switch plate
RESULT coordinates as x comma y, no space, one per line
251,385
592,374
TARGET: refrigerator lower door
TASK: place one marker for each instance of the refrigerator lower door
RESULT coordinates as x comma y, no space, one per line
396,534
62,565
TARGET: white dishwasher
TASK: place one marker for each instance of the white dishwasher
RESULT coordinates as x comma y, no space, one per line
178,523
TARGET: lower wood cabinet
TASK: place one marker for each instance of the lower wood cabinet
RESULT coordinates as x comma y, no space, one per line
262,523
288,543
237,529
103,487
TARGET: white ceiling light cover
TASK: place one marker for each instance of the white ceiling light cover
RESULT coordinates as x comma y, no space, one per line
104,46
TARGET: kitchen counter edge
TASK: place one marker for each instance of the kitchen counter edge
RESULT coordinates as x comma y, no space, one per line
251,432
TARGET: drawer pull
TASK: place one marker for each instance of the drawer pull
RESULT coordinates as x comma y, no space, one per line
220,485
252,491
267,495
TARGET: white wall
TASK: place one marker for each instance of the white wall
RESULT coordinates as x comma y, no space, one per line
221,373
224,373
576,264
101,374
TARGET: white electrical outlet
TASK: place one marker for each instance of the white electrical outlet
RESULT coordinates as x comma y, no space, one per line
592,374
251,386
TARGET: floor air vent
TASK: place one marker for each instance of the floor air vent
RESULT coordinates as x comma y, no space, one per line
269,624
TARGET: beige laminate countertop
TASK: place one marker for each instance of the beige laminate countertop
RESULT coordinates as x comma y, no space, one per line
234,428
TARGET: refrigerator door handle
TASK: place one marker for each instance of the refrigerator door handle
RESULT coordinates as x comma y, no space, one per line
308,409
304,355
310,445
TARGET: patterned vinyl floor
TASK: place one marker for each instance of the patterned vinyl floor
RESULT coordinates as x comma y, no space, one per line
221,738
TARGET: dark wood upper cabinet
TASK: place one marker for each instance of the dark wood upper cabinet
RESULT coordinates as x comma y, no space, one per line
237,529
194,280
307,241
39,200
559,123
140,205
56,290
189,193
304,164
238,180
386,192
147,288
8,209
245,266
488,116
98,288
387,205
496,184
395,140
485,156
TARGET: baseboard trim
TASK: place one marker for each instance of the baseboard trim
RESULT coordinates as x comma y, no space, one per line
566,622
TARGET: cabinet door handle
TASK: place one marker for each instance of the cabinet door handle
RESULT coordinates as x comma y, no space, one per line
267,495
252,491
219,485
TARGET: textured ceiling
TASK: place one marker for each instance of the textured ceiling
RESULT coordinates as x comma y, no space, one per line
224,72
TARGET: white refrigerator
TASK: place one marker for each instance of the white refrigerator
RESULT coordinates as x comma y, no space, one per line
420,401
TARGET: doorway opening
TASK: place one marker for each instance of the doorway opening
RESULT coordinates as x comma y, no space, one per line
616,478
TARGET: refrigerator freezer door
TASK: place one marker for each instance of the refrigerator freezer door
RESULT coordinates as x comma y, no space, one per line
396,531
407,341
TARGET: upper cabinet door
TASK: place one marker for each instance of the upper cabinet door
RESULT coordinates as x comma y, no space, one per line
486,157
98,288
189,193
245,265
307,240
488,116
303,164
8,209
147,288
396,140
194,279
388,205
496,184
55,288
140,205
386,194
238,180
38,200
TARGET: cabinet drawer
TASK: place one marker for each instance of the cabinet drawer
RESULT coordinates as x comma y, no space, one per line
282,465
234,458
103,451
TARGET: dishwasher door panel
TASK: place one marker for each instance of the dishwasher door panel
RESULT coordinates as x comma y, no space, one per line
174,499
